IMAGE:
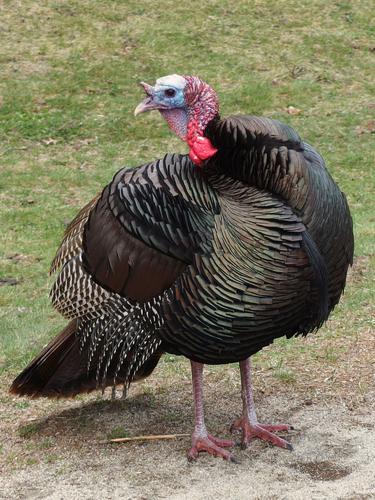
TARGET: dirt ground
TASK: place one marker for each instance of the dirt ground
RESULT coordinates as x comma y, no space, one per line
59,449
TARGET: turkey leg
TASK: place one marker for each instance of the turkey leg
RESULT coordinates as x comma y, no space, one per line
248,423
200,439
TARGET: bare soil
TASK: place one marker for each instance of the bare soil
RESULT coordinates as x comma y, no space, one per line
58,449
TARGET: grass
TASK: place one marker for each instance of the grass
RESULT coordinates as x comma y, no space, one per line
28,430
117,432
69,86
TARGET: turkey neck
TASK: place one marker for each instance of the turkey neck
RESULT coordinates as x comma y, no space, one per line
202,107
202,104
190,123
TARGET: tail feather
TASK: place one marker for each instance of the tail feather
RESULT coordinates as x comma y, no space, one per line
60,370
320,271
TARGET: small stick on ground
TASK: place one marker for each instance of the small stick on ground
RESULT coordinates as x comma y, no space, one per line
152,437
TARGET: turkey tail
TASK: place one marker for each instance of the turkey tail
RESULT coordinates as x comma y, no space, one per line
60,370
320,280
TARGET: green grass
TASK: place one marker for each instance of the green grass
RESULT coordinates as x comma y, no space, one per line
69,73
117,432
28,430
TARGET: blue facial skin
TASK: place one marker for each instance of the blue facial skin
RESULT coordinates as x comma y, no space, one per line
162,95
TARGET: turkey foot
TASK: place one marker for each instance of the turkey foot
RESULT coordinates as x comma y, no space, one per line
260,431
248,423
200,439
210,444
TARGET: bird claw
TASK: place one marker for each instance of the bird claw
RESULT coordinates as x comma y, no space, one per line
212,445
260,431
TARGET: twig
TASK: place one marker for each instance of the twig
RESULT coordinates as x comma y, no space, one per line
153,437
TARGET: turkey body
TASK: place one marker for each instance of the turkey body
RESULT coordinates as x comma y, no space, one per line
212,263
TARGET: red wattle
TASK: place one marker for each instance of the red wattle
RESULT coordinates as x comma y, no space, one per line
201,148
194,158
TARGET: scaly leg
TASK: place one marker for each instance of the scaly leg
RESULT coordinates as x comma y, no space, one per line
200,439
248,423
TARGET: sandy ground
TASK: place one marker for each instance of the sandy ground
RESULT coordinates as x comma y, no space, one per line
63,455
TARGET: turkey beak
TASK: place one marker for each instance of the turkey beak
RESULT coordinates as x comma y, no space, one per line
147,104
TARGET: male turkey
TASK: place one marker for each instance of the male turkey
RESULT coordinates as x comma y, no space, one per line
211,256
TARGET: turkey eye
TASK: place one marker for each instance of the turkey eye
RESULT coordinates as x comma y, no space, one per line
170,92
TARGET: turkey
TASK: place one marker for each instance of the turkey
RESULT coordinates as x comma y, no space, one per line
210,255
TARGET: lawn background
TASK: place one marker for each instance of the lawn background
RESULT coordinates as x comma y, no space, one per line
68,88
